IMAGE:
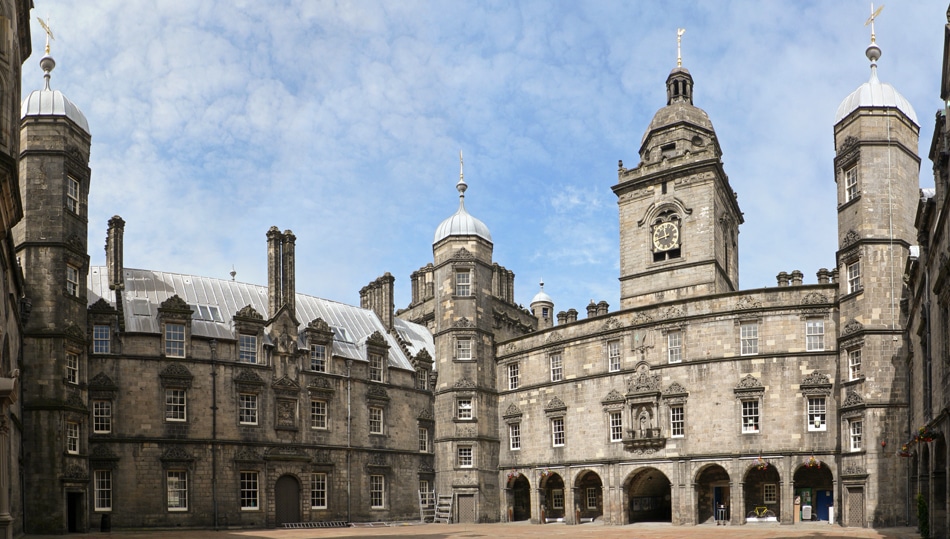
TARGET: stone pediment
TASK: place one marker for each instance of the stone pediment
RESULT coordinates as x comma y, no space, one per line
463,323
850,238
377,392
814,298
674,388
73,332
643,381
852,399
746,302
613,397
102,382
464,383
247,377
320,383
376,339
246,454
178,454
424,357
425,415
285,386
101,452
555,405
612,324
641,319
175,303
816,379
248,312
513,411
318,324
75,473
101,306
749,382
852,326
463,254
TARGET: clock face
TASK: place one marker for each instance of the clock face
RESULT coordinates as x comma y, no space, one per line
666,236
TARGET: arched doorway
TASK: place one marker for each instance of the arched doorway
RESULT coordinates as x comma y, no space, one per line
712,493
287,500
520,498
761,490
589,501
553,504
938,527
814,488
648,497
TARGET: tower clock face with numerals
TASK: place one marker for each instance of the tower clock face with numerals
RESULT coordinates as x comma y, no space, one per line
666,236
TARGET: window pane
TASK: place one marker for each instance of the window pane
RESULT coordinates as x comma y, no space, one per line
247,410
557,368
318,414
318,358
249,499
514,436
318,491
175,340
101,417
101,339
247,352
177,490
613,356
103,490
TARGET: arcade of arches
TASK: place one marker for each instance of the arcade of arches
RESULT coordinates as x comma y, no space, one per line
710,493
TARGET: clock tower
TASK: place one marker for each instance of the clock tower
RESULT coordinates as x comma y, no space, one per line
679,218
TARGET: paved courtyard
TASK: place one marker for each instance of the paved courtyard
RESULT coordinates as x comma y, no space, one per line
525,530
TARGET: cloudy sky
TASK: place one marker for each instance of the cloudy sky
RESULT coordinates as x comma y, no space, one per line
213,120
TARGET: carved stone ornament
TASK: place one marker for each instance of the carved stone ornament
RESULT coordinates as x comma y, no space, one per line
749,385
814,298
641,319
464,383
554,338
175,303
850,142
513,411
285,386
74,400
73,332
75,243
426,467
378,460
286,413
320,383
746,302
613,397
816,379
463,323
510,348
643,381
555,405
248,378
176,372
101,452
286,452
102,382
425,415
318,324
424,357
674,389
377,392
376,339
672,312
176,453
75,473
322,456
611,324
246,454
101,307
854,470
852,326
851,237
852,399
463,254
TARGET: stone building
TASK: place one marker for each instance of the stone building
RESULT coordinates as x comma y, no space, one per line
155,399
926,305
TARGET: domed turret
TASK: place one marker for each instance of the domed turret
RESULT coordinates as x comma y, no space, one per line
48,102
542,307
461,223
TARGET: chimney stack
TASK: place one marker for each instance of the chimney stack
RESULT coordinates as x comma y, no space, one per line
281,286
114,253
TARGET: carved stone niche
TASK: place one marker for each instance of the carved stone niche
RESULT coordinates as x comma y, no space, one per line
643,403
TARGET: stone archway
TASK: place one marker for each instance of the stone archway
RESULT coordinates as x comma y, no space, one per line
761,488
552,487
589,497
520,501
712,493
814,488
647,497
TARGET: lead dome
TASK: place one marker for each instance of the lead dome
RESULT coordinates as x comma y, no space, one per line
874,93
49,102
461,223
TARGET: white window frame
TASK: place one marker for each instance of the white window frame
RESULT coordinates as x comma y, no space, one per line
318,358
463,283
376,420
72,437
72,194
615,420
176,404
377,492
423,439
72,368
463,349
318,490
319,414
102,485
101,416
514,436
853,275
249,489
677,421
854,364
465,456
247,348
376,367
817,408
856,434
465,409
674,346
428,496
422,379
851,183
558,435
176,490
814,335
514,375
748,338
592,497
174,340
557,498
101,339
769,493
557,367
247,408
72,280
751,416
613,355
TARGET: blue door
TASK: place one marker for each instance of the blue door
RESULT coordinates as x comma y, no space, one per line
823,501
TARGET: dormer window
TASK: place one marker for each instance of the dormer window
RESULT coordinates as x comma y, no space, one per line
175,340
247,348
318,358
376,367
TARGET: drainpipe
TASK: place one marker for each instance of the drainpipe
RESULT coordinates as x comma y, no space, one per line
214,430
349,419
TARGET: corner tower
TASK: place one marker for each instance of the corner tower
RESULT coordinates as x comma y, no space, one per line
876,169
50,244
679,218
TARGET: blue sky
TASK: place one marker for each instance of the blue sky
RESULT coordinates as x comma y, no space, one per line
213,120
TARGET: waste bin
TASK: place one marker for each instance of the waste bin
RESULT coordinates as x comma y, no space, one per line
106,524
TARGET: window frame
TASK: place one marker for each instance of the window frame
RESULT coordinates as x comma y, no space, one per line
463,349
316,415
465,456
853,276
101,339
816,406
749,338
376,425
814,335
102,491
613,355
855,372
247,348
465,408
176,404
677,424
615,426
558,432
463,286
174,346
856,434
101,416
73,434
72,280
73,195
424,440
591,496
72,368
318,358
248,407
751,416
557,498
769,493
851,183
514,436
674,350
249,490
557,367
377,491
319,489
179,492
376,367
514,376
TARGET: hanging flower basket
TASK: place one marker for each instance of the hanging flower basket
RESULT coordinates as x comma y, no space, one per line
924,434
812,462
513,474
905,451
761,463
544,473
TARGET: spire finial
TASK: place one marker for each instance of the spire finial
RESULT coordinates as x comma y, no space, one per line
46,62
49,33
679,40
873,52
870,20
461,185
233,272
542,284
